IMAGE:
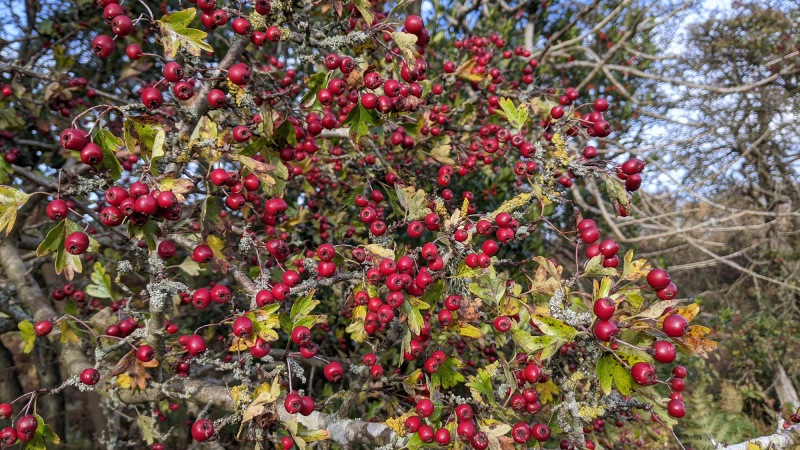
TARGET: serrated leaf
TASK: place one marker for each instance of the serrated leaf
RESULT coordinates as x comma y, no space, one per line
175,34
610,371
634,270
411,308
378,252
284,135
68,334
54,240
448,375
10,201
480,384
532,344
217,244
147,428
178,186
405,42
655,310
616,191
28,334
516,116
110,144
190,267
414,201
441,153
101,283
465,71
144,133
359,120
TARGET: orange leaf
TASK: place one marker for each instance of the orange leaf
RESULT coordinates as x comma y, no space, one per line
695,340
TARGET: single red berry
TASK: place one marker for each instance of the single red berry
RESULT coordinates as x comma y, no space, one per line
202,430
145,353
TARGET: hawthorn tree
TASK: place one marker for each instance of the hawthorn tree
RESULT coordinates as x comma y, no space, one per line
289,224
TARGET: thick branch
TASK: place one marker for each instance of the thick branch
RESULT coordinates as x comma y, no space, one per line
37,303
784,439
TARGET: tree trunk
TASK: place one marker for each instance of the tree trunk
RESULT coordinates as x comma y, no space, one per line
9,378
787,394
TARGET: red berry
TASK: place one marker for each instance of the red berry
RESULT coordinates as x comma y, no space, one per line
90,376
145,353
675,325
664,352
333,371
424,407
202,430
76,243
604,308
644,374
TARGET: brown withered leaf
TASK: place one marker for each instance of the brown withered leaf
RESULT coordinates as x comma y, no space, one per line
355,79
132,373
470,310
695,340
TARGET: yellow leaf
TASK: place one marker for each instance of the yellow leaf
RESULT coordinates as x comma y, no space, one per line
547,391
238,345
688,311
124,381
468,330
68,335
465,71
441,153
178,186
414,201
379,253
405,42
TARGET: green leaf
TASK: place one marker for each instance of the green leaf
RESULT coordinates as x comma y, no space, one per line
554,327
448,375
54,239
595,267
516,116
10,201
414,202
28,335
411,308
110,144
175,34
363,7
149,136
532,344
359,120
303,306
616,192
434,293
148,429
610,370
190,267
480,384
101,283
182,18
284,135
314,83
441,153
66,263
